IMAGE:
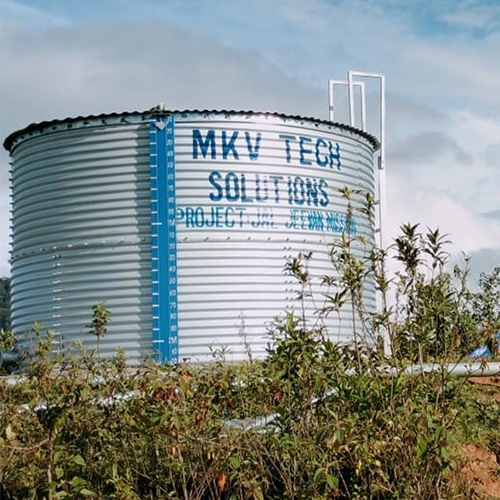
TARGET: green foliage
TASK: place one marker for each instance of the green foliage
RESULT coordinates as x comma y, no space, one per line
437,316
96,429
337,424
7,340
5,304
99,325
484,308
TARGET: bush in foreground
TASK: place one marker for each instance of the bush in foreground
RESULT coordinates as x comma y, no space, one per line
337,423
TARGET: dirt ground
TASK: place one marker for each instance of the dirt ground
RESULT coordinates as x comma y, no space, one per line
491,386
481,470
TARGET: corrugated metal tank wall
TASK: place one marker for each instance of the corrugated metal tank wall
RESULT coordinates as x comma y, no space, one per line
82,225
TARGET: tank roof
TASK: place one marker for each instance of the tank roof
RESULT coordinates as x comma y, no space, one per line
140,116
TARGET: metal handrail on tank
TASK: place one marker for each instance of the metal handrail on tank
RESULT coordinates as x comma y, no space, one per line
331,99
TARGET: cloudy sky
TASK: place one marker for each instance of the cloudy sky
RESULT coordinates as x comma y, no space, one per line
63,58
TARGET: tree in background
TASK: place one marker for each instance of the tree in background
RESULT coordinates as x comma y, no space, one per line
4,303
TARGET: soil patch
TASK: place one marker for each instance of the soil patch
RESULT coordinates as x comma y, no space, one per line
481,472
490,386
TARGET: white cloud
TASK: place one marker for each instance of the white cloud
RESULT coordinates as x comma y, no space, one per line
470,14
477,132
109,68
16,14
467,73
433,208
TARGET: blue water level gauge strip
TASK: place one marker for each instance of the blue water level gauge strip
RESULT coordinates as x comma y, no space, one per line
163,240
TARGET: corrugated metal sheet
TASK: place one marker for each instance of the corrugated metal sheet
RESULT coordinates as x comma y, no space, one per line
231,280
81,227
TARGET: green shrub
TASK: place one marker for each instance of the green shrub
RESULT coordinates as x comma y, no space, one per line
337,424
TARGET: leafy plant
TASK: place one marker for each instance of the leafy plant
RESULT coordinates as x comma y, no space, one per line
99,325
314,420
5,304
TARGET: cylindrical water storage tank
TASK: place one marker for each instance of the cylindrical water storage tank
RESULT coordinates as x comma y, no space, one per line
181,222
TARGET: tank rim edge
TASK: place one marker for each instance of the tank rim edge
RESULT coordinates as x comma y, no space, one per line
154,112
